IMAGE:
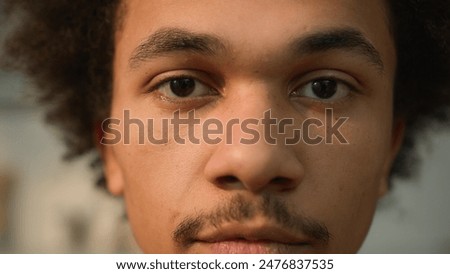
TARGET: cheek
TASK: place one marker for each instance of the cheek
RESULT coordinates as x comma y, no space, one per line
342,181
157,178
158,186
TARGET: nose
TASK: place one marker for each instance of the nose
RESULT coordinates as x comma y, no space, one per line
260,166
255,167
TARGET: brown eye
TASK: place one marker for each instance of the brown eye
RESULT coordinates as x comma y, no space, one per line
324,89
182,87
327,90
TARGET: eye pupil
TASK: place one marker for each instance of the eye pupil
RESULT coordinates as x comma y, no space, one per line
182,87
324,88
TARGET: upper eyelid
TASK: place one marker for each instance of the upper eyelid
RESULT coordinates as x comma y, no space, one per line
197,76
295,83
338,76
166,80
338,80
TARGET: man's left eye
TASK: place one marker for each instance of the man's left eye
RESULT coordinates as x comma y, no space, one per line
184,87
323,90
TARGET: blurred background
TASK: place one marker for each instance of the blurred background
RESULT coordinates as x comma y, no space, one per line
47,205
51,206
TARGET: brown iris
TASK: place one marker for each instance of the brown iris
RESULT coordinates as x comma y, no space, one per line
324,88
182,87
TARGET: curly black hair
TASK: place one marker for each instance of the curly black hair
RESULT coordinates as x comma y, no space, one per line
67,48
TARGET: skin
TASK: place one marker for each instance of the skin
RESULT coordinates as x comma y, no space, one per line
336,185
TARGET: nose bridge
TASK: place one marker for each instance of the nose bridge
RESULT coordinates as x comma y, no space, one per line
247,158
251,97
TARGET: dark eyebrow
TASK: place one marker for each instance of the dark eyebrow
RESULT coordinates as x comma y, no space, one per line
342,39
169,40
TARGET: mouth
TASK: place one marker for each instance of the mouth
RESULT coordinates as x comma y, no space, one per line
248,239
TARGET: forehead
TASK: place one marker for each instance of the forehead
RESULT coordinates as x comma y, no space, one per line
194,11
254,28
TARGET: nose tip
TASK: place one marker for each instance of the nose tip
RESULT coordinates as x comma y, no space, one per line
254,167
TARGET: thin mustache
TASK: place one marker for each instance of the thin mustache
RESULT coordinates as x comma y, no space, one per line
239,209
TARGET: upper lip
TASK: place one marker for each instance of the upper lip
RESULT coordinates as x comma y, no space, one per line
252,233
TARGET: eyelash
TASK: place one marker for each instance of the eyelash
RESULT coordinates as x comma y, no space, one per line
167,79
354,89
189,100
183,103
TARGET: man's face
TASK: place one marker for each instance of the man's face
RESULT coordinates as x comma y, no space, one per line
239,59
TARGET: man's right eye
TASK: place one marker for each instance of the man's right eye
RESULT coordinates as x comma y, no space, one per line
183,87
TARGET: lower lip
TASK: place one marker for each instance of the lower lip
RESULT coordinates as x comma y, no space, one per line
242,247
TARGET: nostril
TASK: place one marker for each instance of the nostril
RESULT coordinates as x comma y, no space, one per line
283,183
228,182
280,180
227,179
